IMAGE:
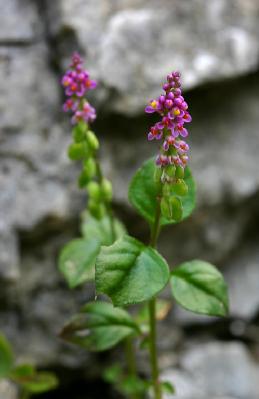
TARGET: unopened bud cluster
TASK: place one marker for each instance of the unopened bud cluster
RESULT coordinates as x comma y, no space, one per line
173,155
85,143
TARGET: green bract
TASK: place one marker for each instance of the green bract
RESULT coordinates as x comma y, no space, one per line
99,326
77,259
144,190
130,272
6,357
199,287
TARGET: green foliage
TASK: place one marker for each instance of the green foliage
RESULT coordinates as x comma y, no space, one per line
144,190
130,272
77,259
199,287
25,375
167,387
34,381
99,326
101,229
6,357
126,384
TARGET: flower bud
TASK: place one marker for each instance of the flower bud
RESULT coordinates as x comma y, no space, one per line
94,191
180,188
170,170
92,140
167,188
106,188
96,209
83,179
179,173
90,167
158,175
166,208
177,208
79,131
78,151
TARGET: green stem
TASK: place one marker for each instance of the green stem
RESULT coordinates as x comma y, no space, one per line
130,356
25,394
131,361
152,315
107,205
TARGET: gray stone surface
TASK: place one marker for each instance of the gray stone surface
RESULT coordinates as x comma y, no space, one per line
215,370
242,276
129,46
133,44
8,390
19,21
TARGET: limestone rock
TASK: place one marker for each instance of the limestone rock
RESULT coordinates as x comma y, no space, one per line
215,370
133,45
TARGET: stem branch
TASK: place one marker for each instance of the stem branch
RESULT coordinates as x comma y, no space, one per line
131,362
152,314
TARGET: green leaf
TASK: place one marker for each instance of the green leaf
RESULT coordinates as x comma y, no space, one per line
200,287
99,327
130,272
132,385
40,382
22,371
101,229
33,381
77,259
113,373
6,357
167,387
143,192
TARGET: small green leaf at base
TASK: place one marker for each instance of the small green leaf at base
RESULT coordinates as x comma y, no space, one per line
167,387
130,272
6,357
199,287
99,326
77,260
143,192
34,381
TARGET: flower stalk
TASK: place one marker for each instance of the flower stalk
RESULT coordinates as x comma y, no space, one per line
152,314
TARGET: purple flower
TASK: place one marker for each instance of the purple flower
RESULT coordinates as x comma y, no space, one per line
76,83
173,110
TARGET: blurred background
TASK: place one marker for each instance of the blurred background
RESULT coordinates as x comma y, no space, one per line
130,46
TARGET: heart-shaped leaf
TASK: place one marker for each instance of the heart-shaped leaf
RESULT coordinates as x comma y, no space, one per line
199,287
143,192
77,260
130,272
99,326
6,357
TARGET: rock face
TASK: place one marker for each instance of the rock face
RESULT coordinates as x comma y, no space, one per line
135,43
129,47
215,370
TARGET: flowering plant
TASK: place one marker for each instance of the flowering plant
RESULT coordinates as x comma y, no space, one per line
123,268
